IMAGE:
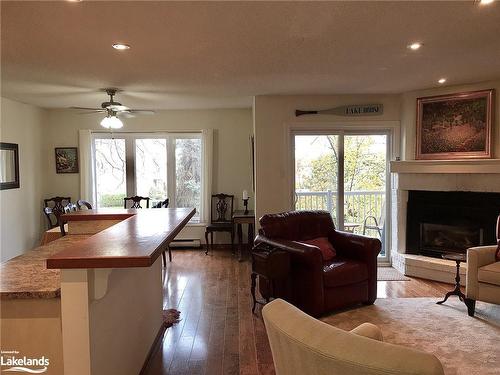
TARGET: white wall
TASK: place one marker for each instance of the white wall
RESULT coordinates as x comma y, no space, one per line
409,113
21,218
274,115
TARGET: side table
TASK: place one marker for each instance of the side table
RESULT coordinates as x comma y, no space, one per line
458,258
241,217
272,265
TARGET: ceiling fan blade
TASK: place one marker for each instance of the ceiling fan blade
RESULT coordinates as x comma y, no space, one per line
87,108
125,114
142,111
92,112
117,107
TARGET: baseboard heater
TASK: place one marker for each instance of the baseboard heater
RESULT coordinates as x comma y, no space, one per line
185,243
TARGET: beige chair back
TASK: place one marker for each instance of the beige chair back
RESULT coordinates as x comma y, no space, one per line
302,345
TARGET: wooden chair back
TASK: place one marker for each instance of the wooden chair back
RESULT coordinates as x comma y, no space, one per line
56,209
221,208
136,201
80,203
162,204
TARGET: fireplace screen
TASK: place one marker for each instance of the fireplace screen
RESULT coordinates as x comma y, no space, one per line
443,238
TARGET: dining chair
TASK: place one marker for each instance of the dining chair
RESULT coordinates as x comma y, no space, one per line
162,204
221,218
56,209
136,201
80,203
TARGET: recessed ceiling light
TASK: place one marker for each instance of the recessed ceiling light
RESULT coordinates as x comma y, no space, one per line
121,46
415,45
485,2
441,80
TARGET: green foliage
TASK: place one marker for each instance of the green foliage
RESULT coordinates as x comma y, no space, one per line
363,168
112,200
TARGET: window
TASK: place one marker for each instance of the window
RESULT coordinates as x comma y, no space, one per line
157,166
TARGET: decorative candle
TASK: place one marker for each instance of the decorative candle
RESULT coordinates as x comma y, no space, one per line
245,194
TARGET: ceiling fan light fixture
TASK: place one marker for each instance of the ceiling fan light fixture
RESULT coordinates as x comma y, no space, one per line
414,46
111,122
121,46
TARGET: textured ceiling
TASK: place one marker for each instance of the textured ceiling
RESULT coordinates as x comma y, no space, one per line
220,54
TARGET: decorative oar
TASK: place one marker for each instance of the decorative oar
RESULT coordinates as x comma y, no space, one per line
347,110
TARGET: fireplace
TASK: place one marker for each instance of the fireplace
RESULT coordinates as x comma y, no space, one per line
450,222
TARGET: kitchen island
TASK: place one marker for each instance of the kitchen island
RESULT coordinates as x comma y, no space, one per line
105,291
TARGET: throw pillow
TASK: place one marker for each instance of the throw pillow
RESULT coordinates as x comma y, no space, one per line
327,250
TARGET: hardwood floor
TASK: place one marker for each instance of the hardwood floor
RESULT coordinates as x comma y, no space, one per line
218,333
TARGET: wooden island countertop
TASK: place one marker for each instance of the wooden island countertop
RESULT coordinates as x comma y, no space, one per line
26,275
137,241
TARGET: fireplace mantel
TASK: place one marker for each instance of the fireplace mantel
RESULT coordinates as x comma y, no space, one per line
484,166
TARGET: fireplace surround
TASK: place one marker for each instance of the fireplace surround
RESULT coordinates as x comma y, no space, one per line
443,177
440,222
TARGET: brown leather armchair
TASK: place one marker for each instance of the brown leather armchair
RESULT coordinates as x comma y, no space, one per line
319,286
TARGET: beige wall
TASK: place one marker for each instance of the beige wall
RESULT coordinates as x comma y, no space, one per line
21,219
275,115
232,128
409,113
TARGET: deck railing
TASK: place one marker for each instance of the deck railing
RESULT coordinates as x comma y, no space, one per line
358,204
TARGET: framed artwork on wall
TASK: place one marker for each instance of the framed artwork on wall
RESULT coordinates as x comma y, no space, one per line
9,166
455,126
66,159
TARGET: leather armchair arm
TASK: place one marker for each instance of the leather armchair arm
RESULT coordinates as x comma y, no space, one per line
306,254
356,246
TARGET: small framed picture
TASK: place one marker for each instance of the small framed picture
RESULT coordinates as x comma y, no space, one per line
66,159
456,126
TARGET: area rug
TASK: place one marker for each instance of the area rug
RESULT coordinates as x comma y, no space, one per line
390,274
171,317
464,345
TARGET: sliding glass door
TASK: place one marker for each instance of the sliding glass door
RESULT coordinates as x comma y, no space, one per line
345,173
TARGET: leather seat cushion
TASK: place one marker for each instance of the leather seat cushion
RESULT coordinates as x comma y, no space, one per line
489,274
339,271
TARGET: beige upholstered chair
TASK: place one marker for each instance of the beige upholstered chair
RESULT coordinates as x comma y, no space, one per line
303,345
483,276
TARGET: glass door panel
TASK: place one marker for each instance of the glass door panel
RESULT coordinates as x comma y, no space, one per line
316,173
188,174
365,185
151,169
110,173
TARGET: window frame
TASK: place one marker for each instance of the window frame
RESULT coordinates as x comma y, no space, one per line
130,162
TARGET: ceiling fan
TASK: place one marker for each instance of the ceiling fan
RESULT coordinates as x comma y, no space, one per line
113,111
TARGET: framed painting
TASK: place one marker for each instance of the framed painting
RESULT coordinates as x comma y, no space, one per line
66,159
456,126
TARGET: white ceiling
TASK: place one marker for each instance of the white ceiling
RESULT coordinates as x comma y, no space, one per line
220,54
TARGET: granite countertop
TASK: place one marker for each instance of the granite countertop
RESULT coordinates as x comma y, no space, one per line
26,276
